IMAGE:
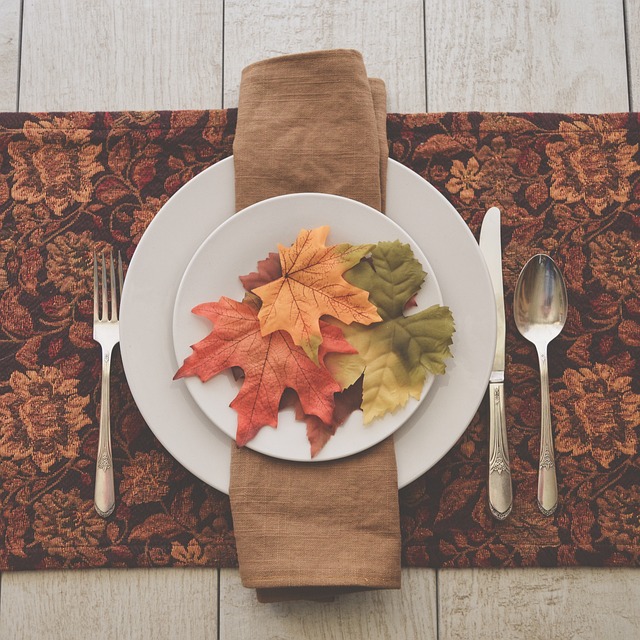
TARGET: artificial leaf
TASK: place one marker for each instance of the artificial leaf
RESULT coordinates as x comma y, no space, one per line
268,270
270,364
311,286
392,277
252,300
346,402
345,371
411,303
319,432
396,354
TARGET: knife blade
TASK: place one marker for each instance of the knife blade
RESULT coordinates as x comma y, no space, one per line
500,490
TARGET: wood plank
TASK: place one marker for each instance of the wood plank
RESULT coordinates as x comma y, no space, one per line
9,53
116,54
519,56
632,15
110,603
389,33
539,603
409,613
523,56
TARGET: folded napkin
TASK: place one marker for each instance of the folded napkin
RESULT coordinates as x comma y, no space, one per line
313,122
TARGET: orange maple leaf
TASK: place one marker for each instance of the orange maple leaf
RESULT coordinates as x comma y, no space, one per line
270,364
311,286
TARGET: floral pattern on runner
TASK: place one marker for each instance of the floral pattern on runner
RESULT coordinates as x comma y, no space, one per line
567,185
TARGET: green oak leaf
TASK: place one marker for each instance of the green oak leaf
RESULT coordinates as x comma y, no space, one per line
396,354
392,277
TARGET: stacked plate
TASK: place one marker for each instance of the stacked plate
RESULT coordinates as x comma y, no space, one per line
195,249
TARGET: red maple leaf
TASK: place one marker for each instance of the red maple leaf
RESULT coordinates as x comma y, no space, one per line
319,432
270,364
268,270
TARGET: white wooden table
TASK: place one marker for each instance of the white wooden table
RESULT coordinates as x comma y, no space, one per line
434,55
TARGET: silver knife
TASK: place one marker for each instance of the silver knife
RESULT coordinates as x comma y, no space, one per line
500,492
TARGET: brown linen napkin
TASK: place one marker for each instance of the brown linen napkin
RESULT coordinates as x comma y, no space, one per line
313,122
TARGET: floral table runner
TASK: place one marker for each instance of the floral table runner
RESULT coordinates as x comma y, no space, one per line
568,185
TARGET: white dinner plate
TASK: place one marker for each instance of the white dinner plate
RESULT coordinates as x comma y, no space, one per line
203,204
234,249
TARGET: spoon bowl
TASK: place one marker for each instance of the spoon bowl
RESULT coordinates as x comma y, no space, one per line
540,307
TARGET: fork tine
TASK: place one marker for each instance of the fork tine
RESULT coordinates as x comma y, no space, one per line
114,289
95,286
104,290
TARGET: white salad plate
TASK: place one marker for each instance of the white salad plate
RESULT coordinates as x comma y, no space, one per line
234,249
198,209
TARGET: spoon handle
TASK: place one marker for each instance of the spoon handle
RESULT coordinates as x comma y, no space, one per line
547,482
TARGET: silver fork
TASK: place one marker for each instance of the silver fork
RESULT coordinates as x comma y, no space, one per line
106,332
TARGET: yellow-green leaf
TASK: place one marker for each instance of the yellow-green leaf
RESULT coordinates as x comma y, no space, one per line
397,354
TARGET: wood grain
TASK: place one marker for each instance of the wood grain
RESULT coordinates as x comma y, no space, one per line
389,33
116,54
583,603
9,53
512,55
402,615
143,604
548,55
632,15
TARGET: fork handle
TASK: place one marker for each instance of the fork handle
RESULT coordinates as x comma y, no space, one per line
105,497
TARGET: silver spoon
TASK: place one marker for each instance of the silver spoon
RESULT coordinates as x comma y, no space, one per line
540,310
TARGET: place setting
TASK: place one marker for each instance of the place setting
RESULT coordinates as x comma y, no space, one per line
350,341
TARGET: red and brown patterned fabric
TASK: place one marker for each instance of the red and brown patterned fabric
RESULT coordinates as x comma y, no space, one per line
568,185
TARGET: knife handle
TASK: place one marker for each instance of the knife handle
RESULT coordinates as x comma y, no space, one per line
500,492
